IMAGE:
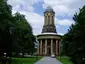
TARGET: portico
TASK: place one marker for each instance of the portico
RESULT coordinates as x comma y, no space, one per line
48,44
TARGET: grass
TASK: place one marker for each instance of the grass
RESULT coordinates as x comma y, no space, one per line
64,59
30,60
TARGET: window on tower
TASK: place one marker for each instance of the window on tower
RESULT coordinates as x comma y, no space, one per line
48,19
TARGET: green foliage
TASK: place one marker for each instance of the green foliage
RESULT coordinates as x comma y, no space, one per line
5,20
30,60
21,39
64,59
24,37
74,40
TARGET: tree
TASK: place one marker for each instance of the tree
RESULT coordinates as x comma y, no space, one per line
24,38
5,20
74,40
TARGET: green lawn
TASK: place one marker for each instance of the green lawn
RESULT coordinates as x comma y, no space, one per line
30,60
64,59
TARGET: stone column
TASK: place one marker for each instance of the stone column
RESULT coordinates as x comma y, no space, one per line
51,46
40,47
46,47
56,47
59,47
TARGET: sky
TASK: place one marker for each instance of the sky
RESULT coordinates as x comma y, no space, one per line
34,12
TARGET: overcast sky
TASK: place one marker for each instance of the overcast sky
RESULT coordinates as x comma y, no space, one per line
34,12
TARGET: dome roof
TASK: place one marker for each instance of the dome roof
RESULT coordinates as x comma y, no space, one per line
49,8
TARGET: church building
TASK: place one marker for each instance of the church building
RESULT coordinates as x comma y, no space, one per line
48,41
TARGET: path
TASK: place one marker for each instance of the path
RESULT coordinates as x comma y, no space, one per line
48,60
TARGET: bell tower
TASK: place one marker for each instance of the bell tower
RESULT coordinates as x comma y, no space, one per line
49,26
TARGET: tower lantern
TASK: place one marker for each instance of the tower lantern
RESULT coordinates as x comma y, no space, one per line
49,15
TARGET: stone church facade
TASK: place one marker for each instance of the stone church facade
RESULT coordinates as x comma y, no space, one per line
48,40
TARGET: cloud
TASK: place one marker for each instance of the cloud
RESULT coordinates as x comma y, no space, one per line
61,7
23,5
28,2
26,7
61,34
35,20
64,7
65,22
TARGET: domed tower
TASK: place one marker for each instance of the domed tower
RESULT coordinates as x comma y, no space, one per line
49,26
48,40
